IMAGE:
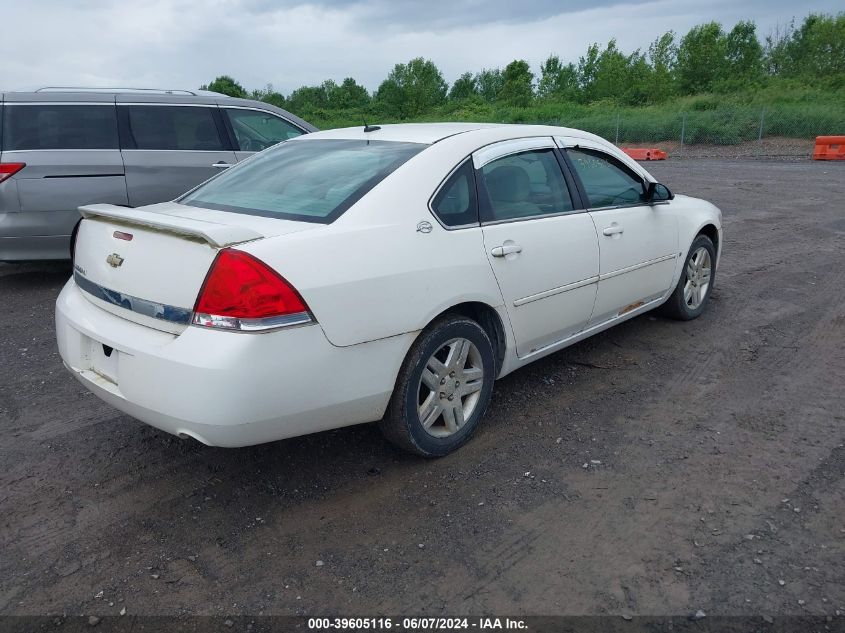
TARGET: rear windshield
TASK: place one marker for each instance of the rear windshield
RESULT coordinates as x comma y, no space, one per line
309,180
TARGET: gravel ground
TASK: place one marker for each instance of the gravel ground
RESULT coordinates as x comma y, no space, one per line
657,468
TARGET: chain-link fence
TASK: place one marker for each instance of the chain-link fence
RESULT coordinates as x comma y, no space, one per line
736,131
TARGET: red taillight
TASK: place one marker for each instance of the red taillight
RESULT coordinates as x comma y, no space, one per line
241,292
7,170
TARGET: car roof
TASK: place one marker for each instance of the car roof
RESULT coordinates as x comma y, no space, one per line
450,143
429,133
405,132
139,96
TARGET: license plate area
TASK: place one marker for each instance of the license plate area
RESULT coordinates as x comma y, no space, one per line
104,360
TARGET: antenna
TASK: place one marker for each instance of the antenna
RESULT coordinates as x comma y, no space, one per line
370,128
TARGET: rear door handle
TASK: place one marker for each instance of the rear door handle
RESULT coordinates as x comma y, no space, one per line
222,164
613,229
508,249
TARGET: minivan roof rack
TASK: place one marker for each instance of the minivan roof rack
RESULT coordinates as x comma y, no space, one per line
192,93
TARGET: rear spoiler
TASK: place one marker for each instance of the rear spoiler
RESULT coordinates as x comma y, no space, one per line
214,233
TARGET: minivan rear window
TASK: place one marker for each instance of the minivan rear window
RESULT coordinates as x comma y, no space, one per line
59,126
304,180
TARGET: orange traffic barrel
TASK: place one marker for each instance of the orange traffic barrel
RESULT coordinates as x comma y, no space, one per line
829,148
651,153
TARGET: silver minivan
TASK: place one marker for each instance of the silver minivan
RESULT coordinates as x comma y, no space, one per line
61,148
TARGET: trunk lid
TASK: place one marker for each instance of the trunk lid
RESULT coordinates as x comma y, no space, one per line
147,265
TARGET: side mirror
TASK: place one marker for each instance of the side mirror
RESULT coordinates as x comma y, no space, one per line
656,192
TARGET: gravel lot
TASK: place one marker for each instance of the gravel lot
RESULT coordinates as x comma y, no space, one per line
658,468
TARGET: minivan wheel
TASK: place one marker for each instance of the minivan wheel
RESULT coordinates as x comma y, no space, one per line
690,297
443,388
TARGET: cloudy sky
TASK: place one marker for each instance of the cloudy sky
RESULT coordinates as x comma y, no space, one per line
289,43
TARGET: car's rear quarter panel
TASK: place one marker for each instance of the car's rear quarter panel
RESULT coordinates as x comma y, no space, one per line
371,274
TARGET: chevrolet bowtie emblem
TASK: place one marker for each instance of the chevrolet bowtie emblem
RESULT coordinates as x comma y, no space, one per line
114,260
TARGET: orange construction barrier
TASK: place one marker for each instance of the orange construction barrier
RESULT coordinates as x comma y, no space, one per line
645,154
829,148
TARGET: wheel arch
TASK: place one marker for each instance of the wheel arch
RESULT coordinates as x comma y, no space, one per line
489,319
712,232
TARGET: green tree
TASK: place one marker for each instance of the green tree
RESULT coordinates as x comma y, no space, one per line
744,52
662,57
775,53
490,82
558,81
465,87
517,84
307,99
269,95
331,95
224,84
349,94
587,67
607,74
702,58
611,75
816,48
413,88
275,98
638,80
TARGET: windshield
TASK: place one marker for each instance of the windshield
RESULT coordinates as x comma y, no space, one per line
310,181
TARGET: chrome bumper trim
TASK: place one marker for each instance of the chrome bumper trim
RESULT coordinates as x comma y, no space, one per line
153,309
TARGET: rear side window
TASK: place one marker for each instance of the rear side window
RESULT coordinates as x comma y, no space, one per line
187,128
307,180
456,204
56,126
607,182
525,185
256,130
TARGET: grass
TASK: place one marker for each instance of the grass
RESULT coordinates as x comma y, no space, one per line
787,109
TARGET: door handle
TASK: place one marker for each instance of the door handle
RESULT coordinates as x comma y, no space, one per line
508,249
221,164
613,229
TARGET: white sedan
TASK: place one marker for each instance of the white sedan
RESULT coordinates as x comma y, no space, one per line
367,274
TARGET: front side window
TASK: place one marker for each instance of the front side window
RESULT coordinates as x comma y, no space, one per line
455,204
606,181
308,180
186,128
48,126
256,131
523,185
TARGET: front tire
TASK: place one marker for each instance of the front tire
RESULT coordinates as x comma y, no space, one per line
691,294
443,388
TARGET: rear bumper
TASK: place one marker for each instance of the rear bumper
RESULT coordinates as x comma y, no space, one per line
224,388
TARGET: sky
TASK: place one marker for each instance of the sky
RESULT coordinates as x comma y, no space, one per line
290,43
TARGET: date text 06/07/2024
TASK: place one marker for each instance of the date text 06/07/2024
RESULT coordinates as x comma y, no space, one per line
416,624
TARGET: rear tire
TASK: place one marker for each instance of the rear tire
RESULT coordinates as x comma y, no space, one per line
443,388
690,297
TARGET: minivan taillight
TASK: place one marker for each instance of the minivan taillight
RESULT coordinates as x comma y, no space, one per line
7,170
242,293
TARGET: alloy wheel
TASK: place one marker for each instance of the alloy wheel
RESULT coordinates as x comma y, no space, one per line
698,278
450,387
